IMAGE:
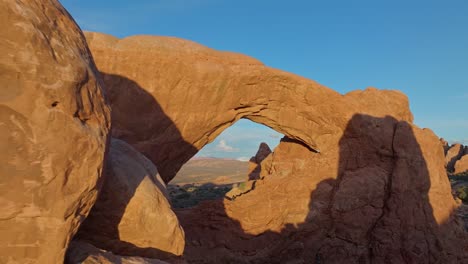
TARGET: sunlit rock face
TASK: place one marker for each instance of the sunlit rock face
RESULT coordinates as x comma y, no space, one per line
132,215
53,131
353,180
461,165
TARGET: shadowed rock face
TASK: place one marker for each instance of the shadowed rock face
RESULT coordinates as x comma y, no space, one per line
170,97
254,162
53,131
387,198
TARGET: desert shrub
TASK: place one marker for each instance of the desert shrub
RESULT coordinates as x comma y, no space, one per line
183,196
462,193
241,186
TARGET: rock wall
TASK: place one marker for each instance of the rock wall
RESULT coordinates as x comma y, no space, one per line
54,123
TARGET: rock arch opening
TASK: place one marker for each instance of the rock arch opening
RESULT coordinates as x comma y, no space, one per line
227,163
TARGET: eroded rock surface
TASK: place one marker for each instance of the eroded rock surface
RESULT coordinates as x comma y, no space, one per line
53,131
386,198
132,215
353,180
170,97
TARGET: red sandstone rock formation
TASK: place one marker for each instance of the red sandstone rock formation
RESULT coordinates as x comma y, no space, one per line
132,215
53,128
353,181
170,97
454,153
445,145
461,165
254,162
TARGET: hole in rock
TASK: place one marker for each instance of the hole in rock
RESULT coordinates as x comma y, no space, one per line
231,160
54,104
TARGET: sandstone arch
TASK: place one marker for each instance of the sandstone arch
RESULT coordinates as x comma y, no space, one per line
171,97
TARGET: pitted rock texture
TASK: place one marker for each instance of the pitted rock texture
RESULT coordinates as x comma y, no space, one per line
255,162
53,131
132,215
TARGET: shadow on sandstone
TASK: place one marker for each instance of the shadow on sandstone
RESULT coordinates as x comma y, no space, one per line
134,113
132,108
376,210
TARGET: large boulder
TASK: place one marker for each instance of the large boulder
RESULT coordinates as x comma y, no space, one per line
132,215
454,153
54,124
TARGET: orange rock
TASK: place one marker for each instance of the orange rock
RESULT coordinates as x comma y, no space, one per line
353,181
461,165
132,215
53,131
445,145
170,97
454,153
254,162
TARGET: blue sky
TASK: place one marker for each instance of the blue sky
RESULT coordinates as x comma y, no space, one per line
418,47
